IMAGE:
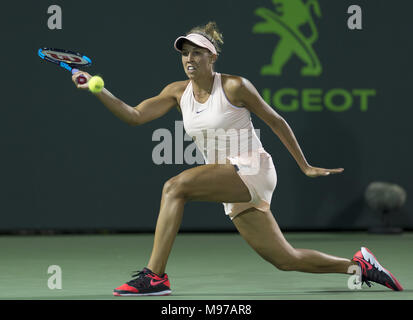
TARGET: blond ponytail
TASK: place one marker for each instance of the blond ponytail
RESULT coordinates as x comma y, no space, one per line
211,32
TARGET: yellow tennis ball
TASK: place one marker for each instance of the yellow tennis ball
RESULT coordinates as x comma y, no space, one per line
96,84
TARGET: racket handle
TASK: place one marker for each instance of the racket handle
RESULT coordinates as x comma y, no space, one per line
80,79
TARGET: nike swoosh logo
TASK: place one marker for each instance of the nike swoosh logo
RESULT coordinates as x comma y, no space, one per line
201,111
367,264
155,283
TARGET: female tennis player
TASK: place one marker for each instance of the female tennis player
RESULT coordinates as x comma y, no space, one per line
216,108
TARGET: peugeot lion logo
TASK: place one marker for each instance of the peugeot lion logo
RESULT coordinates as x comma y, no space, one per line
285,21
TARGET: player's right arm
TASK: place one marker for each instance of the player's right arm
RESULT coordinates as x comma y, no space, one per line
148,110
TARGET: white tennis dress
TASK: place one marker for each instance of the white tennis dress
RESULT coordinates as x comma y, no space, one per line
223,134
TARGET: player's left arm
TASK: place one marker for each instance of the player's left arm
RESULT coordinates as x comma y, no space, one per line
247,96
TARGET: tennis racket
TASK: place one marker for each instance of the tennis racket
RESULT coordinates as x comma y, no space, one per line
67,59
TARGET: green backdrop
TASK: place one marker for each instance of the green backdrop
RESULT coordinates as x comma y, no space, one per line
68,164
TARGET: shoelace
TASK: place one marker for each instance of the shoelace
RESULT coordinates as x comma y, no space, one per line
138,277
139,273
367,282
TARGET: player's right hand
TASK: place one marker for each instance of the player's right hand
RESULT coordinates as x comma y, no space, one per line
83,86
314,172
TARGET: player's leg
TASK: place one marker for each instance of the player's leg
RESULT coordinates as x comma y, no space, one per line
212,182
262,233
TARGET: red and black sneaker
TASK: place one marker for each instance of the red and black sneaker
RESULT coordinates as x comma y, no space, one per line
371,270
146,283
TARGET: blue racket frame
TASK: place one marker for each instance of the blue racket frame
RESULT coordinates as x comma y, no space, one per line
72,67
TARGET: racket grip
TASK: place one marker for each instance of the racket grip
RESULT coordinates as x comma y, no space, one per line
80,79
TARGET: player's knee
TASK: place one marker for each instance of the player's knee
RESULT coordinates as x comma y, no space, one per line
176,187
170,188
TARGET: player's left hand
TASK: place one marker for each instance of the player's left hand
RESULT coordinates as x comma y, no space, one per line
314,172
